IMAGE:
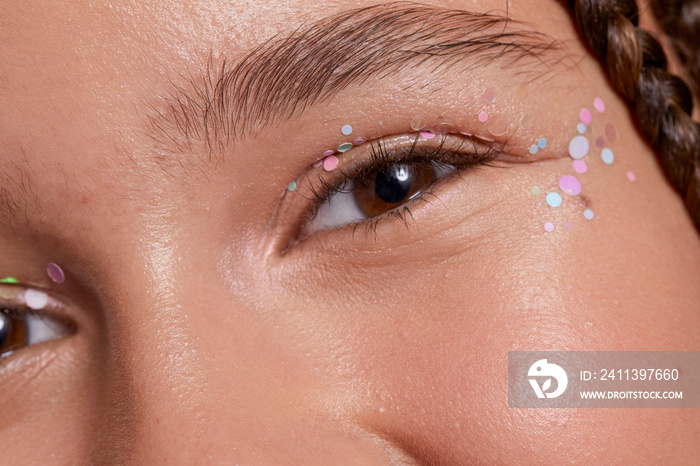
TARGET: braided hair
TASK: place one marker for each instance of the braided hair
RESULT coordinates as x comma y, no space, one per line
638,70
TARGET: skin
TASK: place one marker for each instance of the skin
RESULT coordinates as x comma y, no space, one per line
198,342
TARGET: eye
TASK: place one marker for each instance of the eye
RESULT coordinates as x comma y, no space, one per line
20,328
391,181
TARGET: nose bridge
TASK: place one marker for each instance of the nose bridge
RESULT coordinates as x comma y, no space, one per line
157,401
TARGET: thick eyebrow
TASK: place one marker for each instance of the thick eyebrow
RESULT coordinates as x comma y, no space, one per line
287,75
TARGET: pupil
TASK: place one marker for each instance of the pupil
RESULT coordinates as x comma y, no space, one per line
393,185
5,328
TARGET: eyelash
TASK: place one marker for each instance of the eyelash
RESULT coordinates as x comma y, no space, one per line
382,157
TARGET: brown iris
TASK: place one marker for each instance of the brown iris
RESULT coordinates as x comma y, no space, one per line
13,332
386,189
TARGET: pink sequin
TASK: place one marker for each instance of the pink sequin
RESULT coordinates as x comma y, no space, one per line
599,105
483,117
549,227
427,134
580,166
330,163
631,176
586,116
328,152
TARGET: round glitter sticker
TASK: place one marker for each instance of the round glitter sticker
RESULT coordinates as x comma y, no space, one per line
534,150
489,95
580,166
599,105
344,147
570,185
586,116
578,147
427,134
417,124
588,213
611,132
568,226
330,163
9,280
346,130
55,273
554,199
542,143
599,141
35,299
536,191
549,227
631,176
607,156
328,152
483,117
292,186
581,128
359,141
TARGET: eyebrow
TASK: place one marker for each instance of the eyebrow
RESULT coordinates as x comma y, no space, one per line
287,75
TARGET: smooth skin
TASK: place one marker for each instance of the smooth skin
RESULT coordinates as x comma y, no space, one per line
199,342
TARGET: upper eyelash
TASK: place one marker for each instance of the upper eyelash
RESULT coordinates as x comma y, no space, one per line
381,158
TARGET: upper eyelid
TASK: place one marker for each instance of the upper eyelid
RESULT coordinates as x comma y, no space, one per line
12,296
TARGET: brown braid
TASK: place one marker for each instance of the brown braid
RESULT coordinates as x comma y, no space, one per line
637,68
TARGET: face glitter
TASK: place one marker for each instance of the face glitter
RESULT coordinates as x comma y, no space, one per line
35,299
489,95
588,213
536,191
599,141
599,105
534,150
578,147
9,280
542,143
548,227
359,141
427,134
328,152
417,124
292,186
330,163
581,128
580,166
586,116
607,156
56,273
346,130
318,163
554,199
344,147
631,176
611,132
570,185
483,117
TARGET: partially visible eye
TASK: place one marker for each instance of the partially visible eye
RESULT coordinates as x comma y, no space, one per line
390,181
20,328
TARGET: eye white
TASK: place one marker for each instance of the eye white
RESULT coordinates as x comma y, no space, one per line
42,328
